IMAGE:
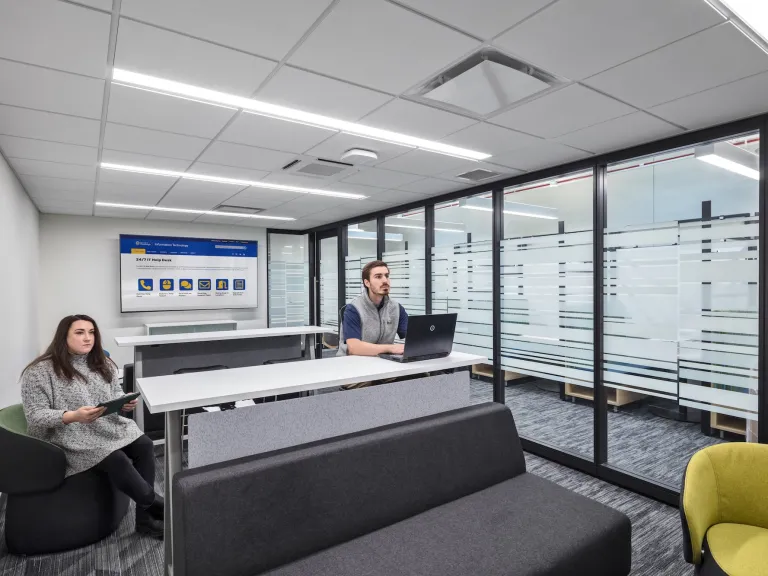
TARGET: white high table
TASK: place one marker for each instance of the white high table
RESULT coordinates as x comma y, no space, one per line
162,354
174,393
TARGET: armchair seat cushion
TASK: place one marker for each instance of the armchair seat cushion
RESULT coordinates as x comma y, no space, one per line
736,550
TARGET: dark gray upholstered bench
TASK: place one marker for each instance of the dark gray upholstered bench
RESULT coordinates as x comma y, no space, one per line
446,495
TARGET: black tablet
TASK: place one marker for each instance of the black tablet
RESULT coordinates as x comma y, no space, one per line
116,405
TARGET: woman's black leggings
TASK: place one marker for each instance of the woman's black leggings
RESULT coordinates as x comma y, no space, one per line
132,470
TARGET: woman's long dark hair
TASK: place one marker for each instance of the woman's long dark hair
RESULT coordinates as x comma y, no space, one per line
58,352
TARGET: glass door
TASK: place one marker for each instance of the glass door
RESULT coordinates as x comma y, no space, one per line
328,289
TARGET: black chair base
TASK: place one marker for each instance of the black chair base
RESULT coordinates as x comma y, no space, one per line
83,510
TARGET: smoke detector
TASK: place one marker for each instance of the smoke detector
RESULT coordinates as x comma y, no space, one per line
485,83
357,155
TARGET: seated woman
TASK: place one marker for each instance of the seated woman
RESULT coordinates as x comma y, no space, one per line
60,391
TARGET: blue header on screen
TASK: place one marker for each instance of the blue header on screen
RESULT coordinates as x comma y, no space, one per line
189,246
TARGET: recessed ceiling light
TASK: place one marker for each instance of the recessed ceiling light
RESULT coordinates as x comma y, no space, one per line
172,88
729,157
221,180
190,211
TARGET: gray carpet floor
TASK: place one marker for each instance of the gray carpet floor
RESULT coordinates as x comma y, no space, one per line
638,441
656,536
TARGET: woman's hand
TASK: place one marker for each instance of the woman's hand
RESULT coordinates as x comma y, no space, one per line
130,405
84,414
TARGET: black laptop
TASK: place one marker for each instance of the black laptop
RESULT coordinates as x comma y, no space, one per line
429,336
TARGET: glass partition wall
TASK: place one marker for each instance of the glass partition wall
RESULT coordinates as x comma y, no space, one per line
462,282
547,310
681,287
404,253
646,265
288,273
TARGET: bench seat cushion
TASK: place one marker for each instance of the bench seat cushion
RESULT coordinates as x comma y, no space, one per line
524,526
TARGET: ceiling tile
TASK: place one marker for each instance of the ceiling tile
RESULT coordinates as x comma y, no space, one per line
262,198
483,18
301,224
298,180
152,142
414,119
740,99
381,178
426,163
150,183
198,195
227,171
53,169
143,160
228,154
268,28
105,212
48,126
161,53
430,186
394,196
65,207
173,216
335,146
41,184
50,90
619,133
160,112
306,206
541,155
264,132
381,45
14,147
320,95
490,139
127,194
345,211
56,35
579,38
710,58
572,108
224,220
105,5
48,195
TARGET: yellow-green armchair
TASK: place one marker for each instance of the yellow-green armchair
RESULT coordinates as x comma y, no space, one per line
724,510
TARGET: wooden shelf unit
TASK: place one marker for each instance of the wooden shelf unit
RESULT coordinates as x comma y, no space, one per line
732,424
616,397
487,371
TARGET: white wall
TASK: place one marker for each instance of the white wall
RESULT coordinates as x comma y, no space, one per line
80,274
19,286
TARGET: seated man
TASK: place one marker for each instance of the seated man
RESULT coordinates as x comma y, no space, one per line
372,320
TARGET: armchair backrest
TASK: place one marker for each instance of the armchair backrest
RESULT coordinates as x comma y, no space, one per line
12,418
723,484
27,464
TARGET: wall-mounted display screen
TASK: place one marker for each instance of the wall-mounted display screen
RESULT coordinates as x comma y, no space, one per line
159,273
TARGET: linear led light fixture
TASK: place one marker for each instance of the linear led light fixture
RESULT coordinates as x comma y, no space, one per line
172,88
513,208
190,211
357,234
750,13
221,180
729,157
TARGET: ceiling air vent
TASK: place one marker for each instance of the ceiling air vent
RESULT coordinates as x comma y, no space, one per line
478,175
485,83
232,209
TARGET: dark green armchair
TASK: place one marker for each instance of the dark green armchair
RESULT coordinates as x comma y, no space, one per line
46,512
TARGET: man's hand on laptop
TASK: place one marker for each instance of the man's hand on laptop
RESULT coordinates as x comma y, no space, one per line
396,349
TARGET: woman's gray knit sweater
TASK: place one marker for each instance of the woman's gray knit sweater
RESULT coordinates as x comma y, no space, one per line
46,397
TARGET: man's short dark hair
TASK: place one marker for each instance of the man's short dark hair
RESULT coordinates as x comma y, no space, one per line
370,266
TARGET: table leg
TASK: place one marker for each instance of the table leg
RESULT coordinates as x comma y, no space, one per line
309,345
173,447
